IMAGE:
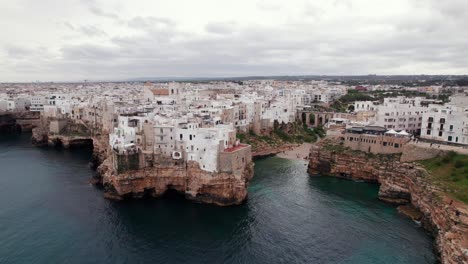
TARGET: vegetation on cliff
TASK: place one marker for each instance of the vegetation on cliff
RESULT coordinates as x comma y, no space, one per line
282,134
342,104
450,172
339,148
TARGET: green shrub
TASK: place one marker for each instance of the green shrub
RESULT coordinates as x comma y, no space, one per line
459,164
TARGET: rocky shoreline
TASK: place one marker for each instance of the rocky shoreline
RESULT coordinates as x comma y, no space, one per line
271,150
222,188
402,183
8,124
17,122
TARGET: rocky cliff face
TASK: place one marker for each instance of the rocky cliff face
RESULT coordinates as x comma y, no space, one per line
18,122
402,183
187,178
220,188
267,151
41,136
8,124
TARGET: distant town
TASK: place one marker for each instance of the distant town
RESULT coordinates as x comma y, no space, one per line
217,110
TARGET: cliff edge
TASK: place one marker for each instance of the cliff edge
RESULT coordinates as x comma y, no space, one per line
401,183
123,176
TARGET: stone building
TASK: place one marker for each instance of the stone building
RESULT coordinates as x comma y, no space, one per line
374,139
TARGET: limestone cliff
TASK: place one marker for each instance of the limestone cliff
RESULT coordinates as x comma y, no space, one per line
401,183
61,132
137,175
18,122
8,124
220,188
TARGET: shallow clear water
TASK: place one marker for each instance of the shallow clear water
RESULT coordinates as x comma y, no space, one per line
49,213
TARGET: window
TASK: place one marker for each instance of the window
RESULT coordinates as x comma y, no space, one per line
440,133
442,120
449,138
451,127
428,132
430,119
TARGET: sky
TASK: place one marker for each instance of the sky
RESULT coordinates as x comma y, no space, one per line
76,40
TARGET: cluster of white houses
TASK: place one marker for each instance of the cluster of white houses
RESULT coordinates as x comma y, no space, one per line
199,121
193,122
420,117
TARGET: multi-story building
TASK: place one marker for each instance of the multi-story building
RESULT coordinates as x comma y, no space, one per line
447,123
401,113
374,139
37,103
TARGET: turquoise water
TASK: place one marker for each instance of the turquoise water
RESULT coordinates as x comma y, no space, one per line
49,213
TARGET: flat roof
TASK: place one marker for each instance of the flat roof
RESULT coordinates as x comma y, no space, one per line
235,148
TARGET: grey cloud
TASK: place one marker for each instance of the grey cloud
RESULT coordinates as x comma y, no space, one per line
430,40
69,26
266,50
99,12
88,30
18,51
220,28
92,31
150,23
89,52
268,5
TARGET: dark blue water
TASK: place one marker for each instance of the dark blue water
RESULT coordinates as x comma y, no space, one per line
50,214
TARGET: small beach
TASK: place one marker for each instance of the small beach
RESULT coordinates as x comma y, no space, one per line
300,152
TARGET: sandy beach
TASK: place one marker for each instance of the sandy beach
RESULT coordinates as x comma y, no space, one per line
300,152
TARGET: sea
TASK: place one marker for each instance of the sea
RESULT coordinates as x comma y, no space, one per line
50,213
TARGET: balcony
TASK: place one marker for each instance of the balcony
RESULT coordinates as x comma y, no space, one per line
159,133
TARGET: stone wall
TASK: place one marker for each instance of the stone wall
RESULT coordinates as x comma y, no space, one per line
57,125
401,183
234,162
18,121
377,144
415,153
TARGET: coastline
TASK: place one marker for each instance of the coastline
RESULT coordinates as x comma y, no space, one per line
407,184
300,152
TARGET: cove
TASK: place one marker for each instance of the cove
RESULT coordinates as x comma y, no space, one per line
49,213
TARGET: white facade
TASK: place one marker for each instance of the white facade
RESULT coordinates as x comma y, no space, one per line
446,124
400,114
3,105
364,106
37,103
18,104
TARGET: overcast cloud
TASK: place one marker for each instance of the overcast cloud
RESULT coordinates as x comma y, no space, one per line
74,40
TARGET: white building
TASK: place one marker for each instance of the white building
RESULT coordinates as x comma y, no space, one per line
18,104
37,103
401,113
448,123
363,106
